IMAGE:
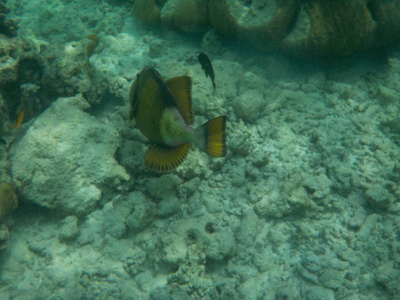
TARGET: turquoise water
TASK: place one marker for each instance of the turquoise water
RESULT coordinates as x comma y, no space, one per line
305,205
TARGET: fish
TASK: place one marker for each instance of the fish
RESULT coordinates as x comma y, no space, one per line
163,113
29,104
207,67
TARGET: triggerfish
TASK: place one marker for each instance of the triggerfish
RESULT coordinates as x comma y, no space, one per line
163,113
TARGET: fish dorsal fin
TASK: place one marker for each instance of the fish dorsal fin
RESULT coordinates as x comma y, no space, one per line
181,89
164,158
133,97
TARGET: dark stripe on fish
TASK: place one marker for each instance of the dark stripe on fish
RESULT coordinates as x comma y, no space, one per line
165,94
207,67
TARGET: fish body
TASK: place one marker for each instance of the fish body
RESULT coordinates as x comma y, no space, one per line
207,67
162,111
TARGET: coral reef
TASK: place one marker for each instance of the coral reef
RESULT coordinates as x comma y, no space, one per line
4,236
306,205
7,26
187,15
264,23
386,15
8,203
147,11
8,200
307,28
336,28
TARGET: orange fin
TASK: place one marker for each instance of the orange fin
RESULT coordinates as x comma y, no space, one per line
215,137
164,159
20,118
181,89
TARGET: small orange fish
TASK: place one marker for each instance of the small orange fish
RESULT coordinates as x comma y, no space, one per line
163,113
20,118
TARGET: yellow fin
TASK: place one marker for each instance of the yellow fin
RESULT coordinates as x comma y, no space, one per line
181,89
20,118
215,143
164,158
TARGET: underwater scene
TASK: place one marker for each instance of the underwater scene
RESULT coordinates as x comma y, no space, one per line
200,149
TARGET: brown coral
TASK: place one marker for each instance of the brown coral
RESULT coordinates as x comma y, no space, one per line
4,236
308,27
148,11
8,200
7,26
387,17
338,27
264,23
187,15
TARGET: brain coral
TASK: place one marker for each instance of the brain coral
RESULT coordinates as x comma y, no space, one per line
263,22
147,11
187,15
337,27
307,27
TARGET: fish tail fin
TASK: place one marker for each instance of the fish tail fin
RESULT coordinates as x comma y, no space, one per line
211,137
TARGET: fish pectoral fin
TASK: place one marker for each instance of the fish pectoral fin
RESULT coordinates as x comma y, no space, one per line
165,158
181,89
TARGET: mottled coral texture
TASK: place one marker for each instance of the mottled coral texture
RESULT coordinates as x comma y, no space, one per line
307,28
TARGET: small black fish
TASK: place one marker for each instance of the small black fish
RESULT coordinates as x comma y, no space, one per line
2,141
207,67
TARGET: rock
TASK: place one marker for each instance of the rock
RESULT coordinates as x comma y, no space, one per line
66,157
319,185
163,186
387,95
279,200
379,197
143,212
388,276
169,206
331,279
10,56
69,229
249,105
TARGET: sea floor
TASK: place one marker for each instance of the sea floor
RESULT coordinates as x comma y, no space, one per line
306,204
